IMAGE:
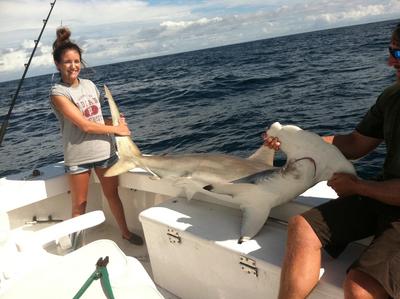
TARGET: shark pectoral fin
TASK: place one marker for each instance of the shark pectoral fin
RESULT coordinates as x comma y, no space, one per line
229,189
238,192
120,167
255,213
264,155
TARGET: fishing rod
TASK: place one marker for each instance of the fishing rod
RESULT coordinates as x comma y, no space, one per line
5,123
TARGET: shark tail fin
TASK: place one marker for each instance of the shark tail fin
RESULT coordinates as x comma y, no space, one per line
121,166
113,106
129,154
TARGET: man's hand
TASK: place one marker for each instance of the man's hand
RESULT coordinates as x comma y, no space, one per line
271,142
344,184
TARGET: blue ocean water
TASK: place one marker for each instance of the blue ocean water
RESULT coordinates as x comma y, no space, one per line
220,99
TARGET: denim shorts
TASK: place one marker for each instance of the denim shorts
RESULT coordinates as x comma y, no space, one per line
75,169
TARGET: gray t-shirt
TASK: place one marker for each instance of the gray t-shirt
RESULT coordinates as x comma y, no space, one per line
81,147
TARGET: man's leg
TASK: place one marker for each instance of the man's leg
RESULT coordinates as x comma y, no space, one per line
359,285
301,265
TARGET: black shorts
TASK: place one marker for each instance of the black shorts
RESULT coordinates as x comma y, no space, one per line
341,221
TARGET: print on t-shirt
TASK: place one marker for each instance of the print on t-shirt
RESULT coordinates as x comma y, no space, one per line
90,108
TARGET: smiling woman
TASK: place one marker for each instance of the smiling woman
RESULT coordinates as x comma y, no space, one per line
67,57
86,138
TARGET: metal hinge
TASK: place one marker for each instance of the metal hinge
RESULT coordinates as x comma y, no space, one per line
173,236
248,265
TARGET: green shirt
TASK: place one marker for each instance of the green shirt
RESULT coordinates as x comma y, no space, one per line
383,121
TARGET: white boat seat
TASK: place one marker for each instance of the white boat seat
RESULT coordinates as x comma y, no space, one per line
31,272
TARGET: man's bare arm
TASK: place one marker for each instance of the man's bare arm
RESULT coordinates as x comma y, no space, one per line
353,145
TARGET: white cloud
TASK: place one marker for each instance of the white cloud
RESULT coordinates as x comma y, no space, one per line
175,26
15,58
357,13
12,60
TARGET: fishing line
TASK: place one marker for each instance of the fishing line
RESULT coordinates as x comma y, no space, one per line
36,41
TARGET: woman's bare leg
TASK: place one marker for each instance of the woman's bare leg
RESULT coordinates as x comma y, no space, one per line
79,189
110,190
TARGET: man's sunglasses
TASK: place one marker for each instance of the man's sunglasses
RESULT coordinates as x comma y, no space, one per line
394,52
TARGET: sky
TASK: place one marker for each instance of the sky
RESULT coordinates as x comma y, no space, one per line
111,31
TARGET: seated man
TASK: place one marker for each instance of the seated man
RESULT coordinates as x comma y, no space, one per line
364,208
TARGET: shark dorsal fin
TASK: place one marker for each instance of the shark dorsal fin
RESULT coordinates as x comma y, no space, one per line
263,155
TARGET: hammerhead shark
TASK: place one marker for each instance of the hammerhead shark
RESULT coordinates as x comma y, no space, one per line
253,183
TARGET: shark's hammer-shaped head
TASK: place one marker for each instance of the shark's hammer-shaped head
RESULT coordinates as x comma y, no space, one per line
297,143
292,143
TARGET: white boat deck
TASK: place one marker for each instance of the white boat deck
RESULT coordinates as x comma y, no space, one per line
23,196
